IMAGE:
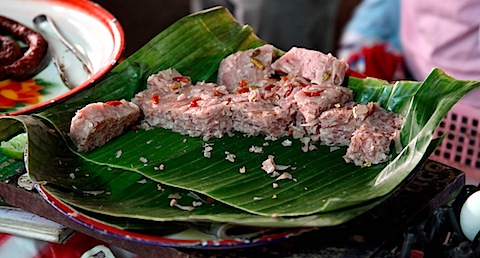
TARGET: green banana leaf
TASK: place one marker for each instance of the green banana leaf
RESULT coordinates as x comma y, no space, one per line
324,188
121,193
9,167
323,182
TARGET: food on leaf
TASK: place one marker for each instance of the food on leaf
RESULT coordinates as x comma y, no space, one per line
312,65
177,104
256,100
370,143
326,192
98,123
246,68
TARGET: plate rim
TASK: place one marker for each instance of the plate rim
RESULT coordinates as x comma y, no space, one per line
99,227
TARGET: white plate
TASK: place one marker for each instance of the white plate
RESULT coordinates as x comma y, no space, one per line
86,25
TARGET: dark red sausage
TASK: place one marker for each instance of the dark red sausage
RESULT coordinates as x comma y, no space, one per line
9,50
30,63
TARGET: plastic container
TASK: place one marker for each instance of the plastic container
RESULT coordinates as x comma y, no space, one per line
461,146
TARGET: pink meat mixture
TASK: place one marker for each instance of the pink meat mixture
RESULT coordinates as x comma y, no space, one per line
247,99
312,65
370,143
312,101
338,124
298,94
194,110
98,123
259,116
367,129
249,68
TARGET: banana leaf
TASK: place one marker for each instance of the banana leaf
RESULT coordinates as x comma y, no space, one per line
121,193
321,177
324,185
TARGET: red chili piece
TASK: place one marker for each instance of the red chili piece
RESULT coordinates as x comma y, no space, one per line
181,79
113,103
155,99
31,62
289,91
243,90
269,87
194,102
242,83
313,93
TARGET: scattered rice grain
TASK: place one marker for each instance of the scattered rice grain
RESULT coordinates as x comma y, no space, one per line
274,174
207,150
281,167
270,138
284,175
268,165
255,149
159,168
185,208
197,203
143,181
230,156
287,143
242,170
174,196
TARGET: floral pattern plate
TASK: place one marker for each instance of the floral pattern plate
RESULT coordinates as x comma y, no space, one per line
86,25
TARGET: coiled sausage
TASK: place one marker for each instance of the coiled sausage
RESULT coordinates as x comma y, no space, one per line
30,62
9,50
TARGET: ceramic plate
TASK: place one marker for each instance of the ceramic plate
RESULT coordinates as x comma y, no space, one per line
89,27
188,238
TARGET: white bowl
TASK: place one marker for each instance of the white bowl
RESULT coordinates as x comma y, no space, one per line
86,25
